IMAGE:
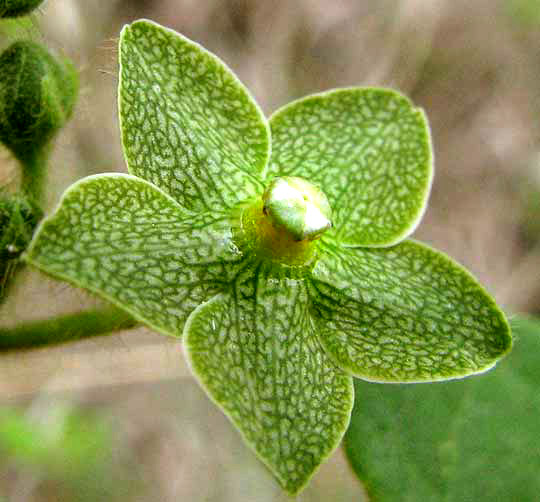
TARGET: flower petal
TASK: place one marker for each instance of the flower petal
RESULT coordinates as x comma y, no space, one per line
256,354
370,152
188,125
123,238
404,314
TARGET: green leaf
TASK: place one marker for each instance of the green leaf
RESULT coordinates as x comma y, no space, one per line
473,440
74,453
78,441
255,352
370,152
16,8
188,125
124,239
404,314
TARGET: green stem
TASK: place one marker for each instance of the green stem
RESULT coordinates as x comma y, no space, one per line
66,328
34,168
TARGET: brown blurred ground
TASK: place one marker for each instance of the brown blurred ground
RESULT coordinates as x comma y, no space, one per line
473,66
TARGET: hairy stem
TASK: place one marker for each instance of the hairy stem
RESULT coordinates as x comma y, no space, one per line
66,328
34,168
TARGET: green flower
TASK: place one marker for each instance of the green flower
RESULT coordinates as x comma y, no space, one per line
285,268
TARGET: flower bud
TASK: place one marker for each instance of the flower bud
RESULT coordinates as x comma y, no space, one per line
37,94
18,219
16,8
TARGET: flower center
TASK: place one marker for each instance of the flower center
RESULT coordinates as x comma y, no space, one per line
296,207
284,224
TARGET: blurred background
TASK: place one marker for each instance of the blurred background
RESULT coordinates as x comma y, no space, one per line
119,418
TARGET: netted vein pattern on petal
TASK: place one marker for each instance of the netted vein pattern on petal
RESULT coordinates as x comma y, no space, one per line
369,151
188,125
255,352
126,240
405,313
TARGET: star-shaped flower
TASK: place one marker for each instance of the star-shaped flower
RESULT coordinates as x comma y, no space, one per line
285,269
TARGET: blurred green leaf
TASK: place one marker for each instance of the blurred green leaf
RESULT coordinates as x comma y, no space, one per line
476,439
70,447
73,442
524,12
